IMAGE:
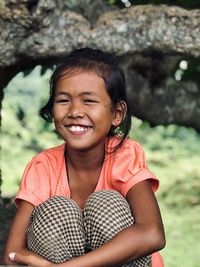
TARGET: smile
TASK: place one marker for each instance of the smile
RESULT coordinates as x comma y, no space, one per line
76,129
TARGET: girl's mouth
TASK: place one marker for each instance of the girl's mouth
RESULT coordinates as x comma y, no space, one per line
78,128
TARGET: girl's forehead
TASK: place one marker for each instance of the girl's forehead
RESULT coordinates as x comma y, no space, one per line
82,81
69,72
79,75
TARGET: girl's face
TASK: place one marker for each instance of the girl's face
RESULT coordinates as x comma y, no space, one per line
83,112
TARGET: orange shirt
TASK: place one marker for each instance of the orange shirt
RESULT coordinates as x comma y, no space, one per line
45,176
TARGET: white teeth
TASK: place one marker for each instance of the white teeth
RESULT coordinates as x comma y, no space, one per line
77,128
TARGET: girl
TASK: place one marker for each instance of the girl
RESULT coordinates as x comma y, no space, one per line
90,201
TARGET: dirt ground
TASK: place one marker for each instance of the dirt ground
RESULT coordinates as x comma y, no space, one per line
7,212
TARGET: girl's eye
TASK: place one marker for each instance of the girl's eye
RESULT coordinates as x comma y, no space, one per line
90,101
62,101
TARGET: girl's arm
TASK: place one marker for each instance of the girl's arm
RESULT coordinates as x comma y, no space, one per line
143,238
16,240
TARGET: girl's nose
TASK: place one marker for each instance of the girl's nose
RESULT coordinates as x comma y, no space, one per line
75,111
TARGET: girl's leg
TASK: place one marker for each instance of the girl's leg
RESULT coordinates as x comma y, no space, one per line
106,213
56,231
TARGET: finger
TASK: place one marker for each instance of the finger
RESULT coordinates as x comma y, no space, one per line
31,260
19,258
12,256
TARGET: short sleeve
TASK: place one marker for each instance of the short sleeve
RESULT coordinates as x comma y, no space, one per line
34,186
129,168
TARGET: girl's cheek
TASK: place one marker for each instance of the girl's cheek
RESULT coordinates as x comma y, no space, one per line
57,111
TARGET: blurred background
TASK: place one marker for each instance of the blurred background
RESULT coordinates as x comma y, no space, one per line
172,151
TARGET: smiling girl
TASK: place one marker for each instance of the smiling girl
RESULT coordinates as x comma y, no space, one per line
90,201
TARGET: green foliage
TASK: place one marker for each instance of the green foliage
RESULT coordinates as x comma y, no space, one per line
22,127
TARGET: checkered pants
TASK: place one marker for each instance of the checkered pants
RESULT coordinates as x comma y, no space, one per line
60,231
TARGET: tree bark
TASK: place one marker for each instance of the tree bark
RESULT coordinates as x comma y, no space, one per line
157,97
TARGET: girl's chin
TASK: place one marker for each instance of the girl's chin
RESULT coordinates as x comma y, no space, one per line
84,145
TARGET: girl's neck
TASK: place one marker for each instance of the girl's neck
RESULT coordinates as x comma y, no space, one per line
85,160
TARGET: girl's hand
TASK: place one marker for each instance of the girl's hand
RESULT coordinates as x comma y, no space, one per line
30,260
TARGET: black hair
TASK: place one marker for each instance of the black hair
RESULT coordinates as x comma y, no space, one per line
106,66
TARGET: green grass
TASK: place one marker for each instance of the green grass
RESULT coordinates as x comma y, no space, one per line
181,219
183,234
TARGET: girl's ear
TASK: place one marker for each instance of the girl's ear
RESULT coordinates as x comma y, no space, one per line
119,113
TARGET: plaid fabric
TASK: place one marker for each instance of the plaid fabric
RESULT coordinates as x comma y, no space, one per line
60,231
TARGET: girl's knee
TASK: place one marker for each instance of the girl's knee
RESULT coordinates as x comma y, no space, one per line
56,231
98,196
56,210
106,213
108,201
